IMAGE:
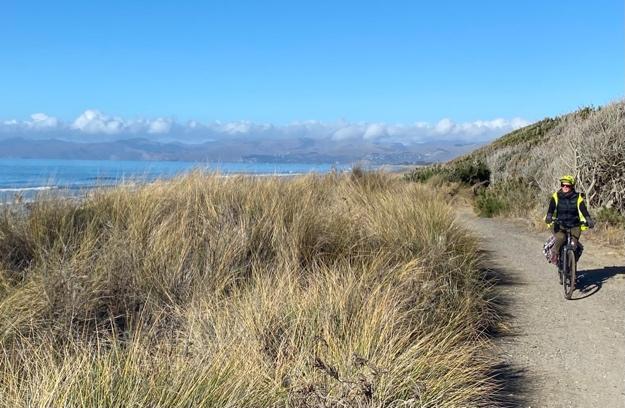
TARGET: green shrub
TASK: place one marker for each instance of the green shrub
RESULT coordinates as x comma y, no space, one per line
469,172
465,171
513,197
489,204
423,174
610,216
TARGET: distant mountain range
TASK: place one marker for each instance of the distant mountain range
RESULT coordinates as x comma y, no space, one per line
279,150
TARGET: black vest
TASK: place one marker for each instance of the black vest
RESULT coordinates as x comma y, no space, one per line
567,210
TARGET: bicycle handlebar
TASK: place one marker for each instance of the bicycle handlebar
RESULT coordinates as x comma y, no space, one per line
556,222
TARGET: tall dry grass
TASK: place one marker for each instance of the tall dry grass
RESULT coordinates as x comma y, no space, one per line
336,290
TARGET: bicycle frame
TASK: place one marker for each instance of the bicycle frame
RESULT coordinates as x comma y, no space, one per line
567,267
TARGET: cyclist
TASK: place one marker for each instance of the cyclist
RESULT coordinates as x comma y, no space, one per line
568,207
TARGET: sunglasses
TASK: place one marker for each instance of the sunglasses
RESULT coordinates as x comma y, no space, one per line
565,185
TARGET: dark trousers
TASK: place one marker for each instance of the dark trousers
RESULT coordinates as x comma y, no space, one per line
561,237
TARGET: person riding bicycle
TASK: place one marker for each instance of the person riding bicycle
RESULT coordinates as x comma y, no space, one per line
568,208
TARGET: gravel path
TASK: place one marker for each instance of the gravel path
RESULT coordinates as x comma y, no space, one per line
566,353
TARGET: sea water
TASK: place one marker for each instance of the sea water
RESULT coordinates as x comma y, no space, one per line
24,178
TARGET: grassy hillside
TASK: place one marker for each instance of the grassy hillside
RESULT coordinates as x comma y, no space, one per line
337,290
522,167
529,136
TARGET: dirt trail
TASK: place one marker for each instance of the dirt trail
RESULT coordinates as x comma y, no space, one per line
568,353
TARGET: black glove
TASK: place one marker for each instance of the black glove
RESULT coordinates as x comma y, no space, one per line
549,219
590,223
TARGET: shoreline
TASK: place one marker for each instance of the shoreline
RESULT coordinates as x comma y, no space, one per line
12,195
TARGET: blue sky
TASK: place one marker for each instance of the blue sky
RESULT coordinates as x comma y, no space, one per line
284,61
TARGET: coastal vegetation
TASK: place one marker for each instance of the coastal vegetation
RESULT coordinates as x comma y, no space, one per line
337,290
516,174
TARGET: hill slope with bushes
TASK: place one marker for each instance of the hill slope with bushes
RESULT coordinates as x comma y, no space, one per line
522,167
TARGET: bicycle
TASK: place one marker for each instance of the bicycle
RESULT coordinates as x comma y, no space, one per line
567,264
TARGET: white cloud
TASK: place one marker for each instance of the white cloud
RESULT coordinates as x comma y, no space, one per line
375,131
159,125
98,125
348,132
92,121
37,122
444,126
43,121
518,123
237,128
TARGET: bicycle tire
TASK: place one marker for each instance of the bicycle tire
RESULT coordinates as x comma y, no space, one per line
570,274
562,265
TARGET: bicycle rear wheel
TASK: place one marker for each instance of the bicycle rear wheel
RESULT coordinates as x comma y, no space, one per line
570,274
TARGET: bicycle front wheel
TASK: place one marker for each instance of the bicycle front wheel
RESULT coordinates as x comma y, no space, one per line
570,274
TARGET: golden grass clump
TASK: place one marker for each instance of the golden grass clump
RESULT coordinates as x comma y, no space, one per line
334,290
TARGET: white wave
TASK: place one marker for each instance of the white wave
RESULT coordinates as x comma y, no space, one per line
19,189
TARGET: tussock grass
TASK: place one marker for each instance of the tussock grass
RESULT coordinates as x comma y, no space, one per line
336,290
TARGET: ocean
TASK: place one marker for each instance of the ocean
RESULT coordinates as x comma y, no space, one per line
27,177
